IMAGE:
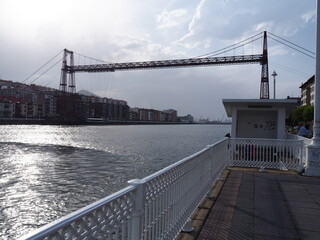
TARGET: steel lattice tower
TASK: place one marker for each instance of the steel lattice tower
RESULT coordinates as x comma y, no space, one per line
264,87
65,70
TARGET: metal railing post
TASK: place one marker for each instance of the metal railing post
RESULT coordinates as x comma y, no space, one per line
188,226
232,151
302,156
136,227
211,180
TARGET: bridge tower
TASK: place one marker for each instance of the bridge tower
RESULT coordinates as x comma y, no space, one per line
264,87
66,71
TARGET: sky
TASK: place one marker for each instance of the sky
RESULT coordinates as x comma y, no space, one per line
33,32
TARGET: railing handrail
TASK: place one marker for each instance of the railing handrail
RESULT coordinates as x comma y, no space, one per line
266,139
291,136
65,220
158,173
152,204
204,166
137,216
306,142
267,153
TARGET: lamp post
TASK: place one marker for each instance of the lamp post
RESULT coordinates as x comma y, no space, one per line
274,74
313,149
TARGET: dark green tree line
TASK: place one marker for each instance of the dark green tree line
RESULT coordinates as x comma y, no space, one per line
301,114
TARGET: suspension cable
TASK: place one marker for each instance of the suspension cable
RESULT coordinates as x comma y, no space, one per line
59,61
286,68
98,60
292,47
42,66
217,51
236,47
292,43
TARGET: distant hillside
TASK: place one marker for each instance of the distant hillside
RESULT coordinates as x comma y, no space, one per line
87,93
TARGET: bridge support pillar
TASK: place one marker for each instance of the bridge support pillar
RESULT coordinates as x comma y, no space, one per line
67,70
264,87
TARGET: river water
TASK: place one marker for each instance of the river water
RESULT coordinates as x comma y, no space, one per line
49,171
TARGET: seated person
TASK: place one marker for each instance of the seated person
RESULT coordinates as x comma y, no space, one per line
303,132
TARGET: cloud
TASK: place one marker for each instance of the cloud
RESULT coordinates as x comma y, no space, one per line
262,26
132,48
277,50
170,19
192,25
229,21
309,16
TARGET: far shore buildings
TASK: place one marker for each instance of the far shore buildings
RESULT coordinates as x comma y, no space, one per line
152,115
186,119
18,100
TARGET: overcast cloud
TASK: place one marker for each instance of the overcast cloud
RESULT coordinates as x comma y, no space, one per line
33,31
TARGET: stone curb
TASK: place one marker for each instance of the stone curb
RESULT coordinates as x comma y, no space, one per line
200,215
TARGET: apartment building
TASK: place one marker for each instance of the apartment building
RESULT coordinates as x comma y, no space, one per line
18,100
171,115
29,101
7,108
186,119
307,92
152,115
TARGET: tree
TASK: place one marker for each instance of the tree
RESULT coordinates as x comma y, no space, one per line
297,115
308,113
302,114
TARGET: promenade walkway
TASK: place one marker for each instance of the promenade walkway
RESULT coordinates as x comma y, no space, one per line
248,204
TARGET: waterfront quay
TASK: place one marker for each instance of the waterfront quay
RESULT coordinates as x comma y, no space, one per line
246,203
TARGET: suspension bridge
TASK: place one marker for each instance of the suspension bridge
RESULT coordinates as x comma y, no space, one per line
69,68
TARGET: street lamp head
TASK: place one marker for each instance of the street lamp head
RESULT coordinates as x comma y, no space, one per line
274,74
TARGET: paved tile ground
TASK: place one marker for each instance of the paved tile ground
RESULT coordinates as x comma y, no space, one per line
264,205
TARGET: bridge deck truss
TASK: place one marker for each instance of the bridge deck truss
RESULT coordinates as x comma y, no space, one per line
111,67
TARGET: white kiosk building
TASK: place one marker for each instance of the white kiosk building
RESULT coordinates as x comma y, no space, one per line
259,118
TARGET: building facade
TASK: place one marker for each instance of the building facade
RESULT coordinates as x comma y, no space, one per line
18,100
152,115
7,108
186,119
307,92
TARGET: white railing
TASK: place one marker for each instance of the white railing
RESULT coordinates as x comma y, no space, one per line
306,142
266,153
156,207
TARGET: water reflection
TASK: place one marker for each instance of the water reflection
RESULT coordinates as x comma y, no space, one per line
49,171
